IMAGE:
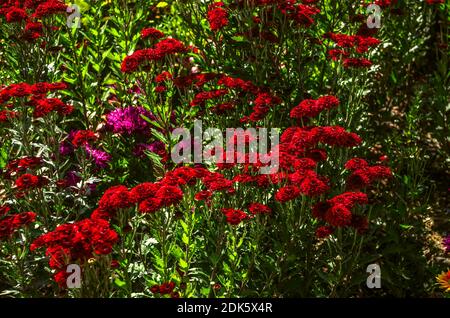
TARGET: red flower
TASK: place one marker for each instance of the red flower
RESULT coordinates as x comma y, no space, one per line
324,231
144,191
337,136
166,288
152,33
357,62
313,186
169,46
287,193
217,16
349,199
169,195
130,64
338,215
23,219
203,195
175,295
4,210
6,115
61,278
258,208
50,7
234,216
356,164
431,2
76,242
359,179
201,98
312,108
150,205
117,197
154,289
6,228
336,54
27,181
28,163
83,137
16,15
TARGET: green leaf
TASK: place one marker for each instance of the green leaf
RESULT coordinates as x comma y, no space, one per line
183,264
119,282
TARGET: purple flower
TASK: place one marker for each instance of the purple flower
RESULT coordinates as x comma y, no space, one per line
128,120
446,243
155,147
100,157
72,178
65,148
91,187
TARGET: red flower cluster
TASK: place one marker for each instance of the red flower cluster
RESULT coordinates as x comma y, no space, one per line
301,13
21,90
10,223
161,49
359,43
258,208
217,16
337,211
34,96
287,193
234,216
45,106
83,137
357,62
364,175
150,197
28,181
262,103
30,11
22,164
6,115
201,98
151,33
312,108
76,242
324,231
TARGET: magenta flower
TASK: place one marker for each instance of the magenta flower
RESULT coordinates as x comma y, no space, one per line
100,157
446,243
129,120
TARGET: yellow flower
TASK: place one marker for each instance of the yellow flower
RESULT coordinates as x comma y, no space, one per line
444,280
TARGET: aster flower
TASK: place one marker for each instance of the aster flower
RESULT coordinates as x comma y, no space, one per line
128,120
444,280
100,157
